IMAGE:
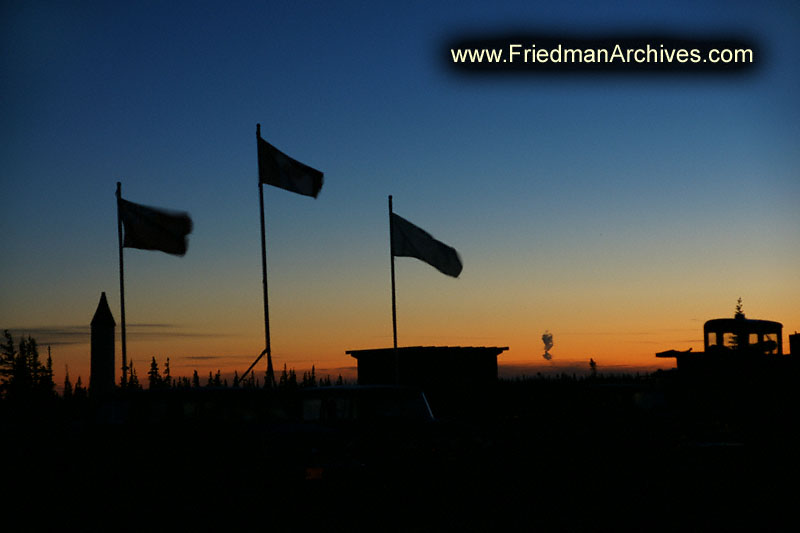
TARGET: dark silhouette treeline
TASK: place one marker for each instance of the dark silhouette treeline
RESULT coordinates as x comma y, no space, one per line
287,379
599,452
23,376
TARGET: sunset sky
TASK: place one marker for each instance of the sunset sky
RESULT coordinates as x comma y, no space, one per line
618,212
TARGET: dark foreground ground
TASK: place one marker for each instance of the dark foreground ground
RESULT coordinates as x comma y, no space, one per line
613,454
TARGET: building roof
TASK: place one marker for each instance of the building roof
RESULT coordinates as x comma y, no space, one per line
439,350
739,323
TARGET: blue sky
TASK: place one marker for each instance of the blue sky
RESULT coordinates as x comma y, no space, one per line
580,204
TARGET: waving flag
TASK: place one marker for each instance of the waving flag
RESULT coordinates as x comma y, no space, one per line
409,240
278,169
149,228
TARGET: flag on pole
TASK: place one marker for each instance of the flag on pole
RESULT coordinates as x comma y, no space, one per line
409,240
278,169
149,228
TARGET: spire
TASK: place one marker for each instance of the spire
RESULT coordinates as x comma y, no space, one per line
103,316
101,381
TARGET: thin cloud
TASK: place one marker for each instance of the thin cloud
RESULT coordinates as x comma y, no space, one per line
53,335
70,335
171,330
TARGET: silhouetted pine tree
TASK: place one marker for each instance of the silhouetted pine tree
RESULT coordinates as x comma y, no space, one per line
80,390
195,380
153,376
133,380
7,360
235,379
739,309
309,378
22,373
736,342
29,365
167,380
218,379
67,385
283,381
46,384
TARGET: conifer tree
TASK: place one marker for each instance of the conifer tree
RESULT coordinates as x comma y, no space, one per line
133,380
283,381
153,376
80,390
167,380
8,351
67,385
22,374
736,342
739,309
47,385
30,366
7,363
195,380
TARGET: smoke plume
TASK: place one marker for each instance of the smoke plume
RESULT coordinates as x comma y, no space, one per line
547,339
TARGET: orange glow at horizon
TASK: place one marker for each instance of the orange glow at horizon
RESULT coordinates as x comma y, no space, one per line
612,347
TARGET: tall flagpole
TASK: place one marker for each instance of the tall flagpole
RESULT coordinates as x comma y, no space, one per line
391,253
268,348
124,381
394,299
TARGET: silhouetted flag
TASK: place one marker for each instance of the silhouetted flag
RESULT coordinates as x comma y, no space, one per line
148,228
410,241
278,169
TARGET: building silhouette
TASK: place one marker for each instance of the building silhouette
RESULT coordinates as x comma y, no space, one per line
101,380
738,345
428,367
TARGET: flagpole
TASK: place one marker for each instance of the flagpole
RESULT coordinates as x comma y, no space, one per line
391,253
124,381
394,300
268,348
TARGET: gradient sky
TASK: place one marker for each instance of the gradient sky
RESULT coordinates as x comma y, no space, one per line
617,212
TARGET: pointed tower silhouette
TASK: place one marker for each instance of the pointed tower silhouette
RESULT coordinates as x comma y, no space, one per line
101,381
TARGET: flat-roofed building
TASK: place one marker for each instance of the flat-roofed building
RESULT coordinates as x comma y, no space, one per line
428,367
